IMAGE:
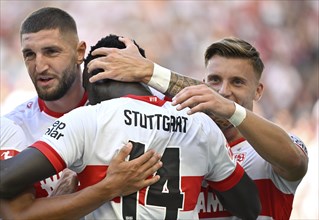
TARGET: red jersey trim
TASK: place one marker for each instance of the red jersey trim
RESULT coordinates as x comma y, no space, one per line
8,153
230,181
55,159
45,109
149,99
239,140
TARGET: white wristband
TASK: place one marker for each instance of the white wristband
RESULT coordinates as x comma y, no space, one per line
160,78
239,115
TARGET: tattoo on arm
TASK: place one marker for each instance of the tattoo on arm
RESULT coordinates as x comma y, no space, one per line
178,82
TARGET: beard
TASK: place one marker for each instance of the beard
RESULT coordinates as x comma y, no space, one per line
64,84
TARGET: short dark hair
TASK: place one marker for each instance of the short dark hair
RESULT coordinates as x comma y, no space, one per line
48,18
236,48
106,89
110,41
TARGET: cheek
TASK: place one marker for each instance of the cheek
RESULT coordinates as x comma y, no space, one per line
247,101
30,68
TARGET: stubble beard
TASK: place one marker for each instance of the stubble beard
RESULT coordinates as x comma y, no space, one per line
64,84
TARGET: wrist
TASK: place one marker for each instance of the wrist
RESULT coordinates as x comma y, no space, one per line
238,116
106,190
160,78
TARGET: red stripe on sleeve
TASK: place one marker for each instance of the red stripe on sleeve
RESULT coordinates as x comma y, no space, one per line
230,181
55,159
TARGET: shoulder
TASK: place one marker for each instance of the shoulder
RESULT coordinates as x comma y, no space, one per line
9,127
23,110
12,135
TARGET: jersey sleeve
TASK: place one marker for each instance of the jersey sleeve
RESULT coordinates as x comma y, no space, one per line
288,187
12,139
63,142
299,143
223,171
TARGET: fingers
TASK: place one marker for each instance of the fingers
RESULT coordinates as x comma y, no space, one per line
128,42
123,153
151,181
151,165
192,97
103,51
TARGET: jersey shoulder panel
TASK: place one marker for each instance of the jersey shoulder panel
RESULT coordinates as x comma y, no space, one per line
12,138
24,110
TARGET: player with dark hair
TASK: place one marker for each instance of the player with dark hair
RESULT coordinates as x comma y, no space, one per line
85,139
275,160
53,54
25,206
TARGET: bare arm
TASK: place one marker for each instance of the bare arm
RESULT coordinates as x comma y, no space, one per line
269,140
128,65
123,178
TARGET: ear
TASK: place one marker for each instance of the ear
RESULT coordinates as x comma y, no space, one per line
259,92
80,52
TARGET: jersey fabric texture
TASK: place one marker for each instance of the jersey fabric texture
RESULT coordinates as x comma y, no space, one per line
34,118
192,147
12,139
276,194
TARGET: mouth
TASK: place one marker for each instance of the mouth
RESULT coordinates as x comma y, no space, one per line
45,80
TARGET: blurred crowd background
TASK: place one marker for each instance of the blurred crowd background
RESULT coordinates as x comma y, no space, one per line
175,34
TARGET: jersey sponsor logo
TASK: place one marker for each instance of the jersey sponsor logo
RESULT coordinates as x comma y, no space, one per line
156,121
208,205
240,157
29,105
7,154
56,129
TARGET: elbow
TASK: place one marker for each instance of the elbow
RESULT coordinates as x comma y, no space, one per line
297,168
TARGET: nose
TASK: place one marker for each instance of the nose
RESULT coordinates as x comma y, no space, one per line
224,89
40,64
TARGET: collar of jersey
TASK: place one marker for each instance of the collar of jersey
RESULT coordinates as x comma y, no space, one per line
45,108
149,99
239,140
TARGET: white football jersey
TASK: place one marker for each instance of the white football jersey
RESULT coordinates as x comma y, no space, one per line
34,118
192,147
12,139
276,194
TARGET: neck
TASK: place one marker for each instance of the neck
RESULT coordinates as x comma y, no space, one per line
114,89
69,101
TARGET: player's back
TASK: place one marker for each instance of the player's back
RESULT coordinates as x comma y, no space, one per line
192,148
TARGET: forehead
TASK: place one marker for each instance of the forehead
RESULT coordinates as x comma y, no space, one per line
230,67
43,38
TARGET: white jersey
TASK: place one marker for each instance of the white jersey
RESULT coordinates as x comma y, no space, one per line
192,147
34,118
276,194
12,139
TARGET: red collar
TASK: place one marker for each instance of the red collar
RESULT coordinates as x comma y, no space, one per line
239,140
45,109
149,99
